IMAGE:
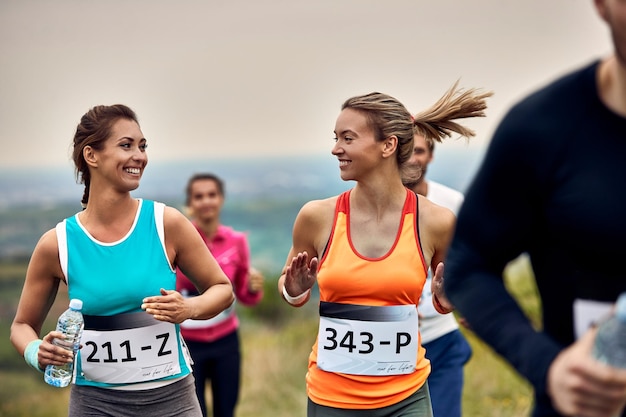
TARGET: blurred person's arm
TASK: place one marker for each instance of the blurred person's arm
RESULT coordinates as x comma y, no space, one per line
496,224
248,282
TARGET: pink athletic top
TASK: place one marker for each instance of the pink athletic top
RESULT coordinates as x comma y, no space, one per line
231,251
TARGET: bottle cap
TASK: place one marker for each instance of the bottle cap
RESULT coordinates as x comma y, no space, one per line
76,304
620,307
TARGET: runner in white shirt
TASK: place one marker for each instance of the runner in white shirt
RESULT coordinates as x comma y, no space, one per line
445,345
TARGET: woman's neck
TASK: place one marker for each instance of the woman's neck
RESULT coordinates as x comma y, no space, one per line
208,227
107,207
379,196
109,218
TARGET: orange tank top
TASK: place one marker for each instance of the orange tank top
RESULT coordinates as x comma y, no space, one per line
346,277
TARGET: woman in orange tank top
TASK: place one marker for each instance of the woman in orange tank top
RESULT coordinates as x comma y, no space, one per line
369,249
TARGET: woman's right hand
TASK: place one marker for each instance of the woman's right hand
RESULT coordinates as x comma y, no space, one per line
51,354
300,275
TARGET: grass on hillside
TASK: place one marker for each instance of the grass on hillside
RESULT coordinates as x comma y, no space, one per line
275,348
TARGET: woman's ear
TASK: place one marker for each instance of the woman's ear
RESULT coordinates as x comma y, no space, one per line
389,146
90,156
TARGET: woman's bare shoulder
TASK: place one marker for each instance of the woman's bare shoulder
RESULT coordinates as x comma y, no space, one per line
313,223
173,217
315,206
45,258
48,244
317,212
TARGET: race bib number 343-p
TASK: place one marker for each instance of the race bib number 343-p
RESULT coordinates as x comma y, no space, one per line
367,340
128,348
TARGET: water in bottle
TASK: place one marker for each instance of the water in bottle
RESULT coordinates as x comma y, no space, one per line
610,343
71,325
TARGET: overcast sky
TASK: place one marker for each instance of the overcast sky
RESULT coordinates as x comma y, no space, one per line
256,78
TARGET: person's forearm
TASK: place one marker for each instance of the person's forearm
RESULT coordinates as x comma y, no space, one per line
21,335
496,318
213,301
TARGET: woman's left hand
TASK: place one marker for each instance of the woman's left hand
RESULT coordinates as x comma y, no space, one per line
256,280
440,301
170,306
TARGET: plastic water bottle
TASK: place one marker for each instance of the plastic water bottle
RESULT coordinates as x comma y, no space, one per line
610,343
71,325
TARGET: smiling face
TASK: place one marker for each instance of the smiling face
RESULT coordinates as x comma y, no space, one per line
205,200
422,155
355,145
123,157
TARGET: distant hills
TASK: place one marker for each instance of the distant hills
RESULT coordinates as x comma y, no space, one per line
263,195
246,178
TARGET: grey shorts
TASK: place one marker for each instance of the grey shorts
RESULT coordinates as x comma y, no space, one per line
176,399
416,405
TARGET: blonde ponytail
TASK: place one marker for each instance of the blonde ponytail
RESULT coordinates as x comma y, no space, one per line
438,121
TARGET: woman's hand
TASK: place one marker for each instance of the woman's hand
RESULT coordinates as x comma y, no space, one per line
300,275
440,301
170,306
51,354
256,280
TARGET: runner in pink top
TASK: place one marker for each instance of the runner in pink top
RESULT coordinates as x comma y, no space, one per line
214,343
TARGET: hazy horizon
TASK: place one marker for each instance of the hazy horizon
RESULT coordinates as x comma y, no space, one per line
276,177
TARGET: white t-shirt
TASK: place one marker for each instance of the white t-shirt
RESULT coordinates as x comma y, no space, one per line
432,324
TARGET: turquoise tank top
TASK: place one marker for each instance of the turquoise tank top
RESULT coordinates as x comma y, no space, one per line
112,279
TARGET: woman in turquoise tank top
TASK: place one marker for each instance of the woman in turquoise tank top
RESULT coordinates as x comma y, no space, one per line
119,255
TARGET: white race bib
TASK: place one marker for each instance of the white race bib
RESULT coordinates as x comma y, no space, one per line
367,340
128,348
